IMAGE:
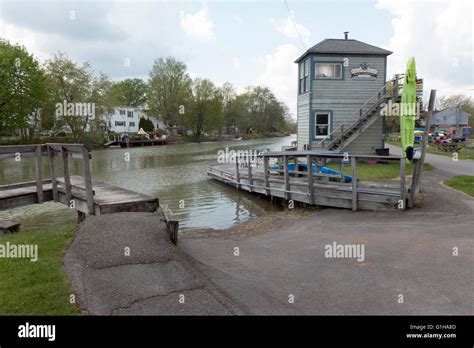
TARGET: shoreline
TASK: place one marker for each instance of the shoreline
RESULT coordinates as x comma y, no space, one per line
97,146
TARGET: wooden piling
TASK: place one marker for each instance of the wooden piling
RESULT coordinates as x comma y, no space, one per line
88,181
52,166
39,172
309,161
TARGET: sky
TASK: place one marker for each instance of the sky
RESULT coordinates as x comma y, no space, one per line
246,42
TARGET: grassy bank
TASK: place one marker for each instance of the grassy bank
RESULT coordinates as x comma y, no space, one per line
41,287
433,149
464,183
371,172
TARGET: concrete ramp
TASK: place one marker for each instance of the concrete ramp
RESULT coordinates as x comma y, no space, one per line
125,264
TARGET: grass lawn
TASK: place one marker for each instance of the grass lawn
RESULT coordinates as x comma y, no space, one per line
41,287
432,148
379,171
464,183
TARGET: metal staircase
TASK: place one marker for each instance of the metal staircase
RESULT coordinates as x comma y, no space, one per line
342,136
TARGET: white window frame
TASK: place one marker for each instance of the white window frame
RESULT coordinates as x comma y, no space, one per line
330,77
322,112
304,75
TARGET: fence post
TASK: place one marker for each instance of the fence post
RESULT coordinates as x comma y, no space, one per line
237,170
67,178
52,167
39,172
309,161
265,173
402,183
250,179
354,183
88,181
287,177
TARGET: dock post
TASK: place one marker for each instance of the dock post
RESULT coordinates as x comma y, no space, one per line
287,177
67,178
250,179
237,171
265,174
39,172
309,161
88,181
52,167
402,183
354,183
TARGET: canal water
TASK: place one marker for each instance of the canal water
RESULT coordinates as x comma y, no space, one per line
176,174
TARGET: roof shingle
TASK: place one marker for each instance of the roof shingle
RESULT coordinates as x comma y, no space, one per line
344,46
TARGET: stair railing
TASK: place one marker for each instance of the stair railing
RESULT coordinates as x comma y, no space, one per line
348,125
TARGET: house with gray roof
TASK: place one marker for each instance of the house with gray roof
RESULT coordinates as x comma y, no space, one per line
449,119
339,81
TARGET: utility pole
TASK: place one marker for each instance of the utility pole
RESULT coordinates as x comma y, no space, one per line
418,166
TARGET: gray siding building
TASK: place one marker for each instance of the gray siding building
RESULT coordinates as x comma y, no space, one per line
335,78
449,119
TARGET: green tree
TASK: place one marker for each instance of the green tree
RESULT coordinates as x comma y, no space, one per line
205,113
22,87
74,84
230,108
265,112
129,92
169,89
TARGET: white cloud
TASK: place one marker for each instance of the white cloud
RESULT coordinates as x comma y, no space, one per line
287,28
236,62
439,35
198,25
237,19
280,74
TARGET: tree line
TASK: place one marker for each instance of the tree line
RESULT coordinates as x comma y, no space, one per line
30,93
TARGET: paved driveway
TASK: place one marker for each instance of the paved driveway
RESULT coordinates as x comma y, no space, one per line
443,164
407,254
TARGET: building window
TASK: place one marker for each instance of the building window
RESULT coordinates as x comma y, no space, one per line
122,112
322,124
119,123
304,76
131,124
328,70
130,114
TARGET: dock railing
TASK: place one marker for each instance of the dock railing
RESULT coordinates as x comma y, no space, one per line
38,151
52,150
74,151
247,172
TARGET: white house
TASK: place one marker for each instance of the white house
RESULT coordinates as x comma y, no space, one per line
127,119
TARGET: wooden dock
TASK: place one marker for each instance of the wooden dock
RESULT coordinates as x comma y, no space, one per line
136,142
78,192
311,188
